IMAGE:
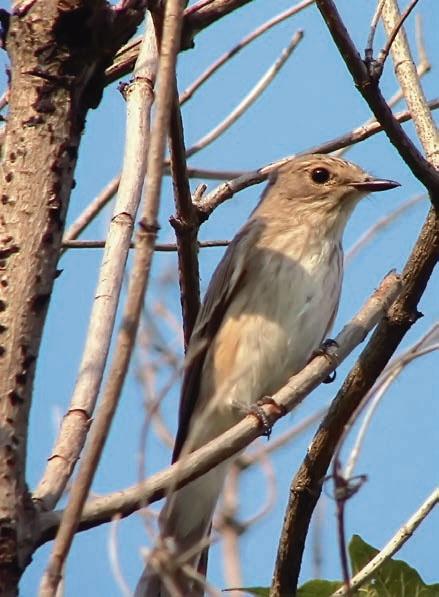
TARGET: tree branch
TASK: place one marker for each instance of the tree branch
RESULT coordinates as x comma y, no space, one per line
307,484
411,86
249,99
368,87
394,545
91,211
227,190
186,224
189,91
75,425
160,247
48,103
194,22
235,439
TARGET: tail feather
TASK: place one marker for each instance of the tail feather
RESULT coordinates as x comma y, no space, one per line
185,521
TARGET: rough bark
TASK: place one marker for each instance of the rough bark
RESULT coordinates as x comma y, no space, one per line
58,53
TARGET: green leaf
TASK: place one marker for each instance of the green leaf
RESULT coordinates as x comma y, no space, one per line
395,578
258,591
318,588
312,588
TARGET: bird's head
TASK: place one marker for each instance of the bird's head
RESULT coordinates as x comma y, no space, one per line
321,187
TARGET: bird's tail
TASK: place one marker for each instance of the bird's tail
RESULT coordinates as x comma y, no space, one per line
184,527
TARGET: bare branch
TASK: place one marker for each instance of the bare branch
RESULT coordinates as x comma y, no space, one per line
380,225
185,222
249,99
75,425
189,91
161,247
235,439
385,51
409,81
369,89
307,484
394,545
91,211
145,240
228,189
194,22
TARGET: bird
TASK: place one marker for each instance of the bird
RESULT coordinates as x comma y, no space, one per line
270,304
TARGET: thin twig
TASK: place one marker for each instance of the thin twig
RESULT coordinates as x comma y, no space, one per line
113,556
249,99
394,545
185,223
91,211
394,368
193,23
368,52
194,7
349,468
161,247
231,530
385,51
189,91
341,496
271,493
367,86
380,225
422,69
235,439
228,189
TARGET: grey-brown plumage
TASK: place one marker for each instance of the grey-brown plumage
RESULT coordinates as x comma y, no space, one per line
271,302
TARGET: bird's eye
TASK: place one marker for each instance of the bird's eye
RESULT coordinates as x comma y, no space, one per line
320,175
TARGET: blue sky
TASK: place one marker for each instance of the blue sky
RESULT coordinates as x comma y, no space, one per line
312,100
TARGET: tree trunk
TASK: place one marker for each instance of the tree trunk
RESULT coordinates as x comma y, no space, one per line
58,53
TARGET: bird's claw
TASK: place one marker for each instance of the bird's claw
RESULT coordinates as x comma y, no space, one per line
257,411
328,349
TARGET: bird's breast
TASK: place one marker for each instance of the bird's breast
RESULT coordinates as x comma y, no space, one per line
273,325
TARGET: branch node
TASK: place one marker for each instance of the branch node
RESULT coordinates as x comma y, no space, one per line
148,227
182,226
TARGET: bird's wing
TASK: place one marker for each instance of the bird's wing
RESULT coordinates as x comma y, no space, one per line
228,279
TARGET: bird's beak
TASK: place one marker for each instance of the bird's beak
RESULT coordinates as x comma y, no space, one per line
375,184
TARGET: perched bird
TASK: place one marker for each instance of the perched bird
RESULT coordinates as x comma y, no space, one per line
271,302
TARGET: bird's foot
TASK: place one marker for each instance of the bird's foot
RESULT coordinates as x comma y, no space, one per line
257,411
328,349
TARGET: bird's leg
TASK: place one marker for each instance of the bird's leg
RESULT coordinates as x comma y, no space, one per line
257,411
327,349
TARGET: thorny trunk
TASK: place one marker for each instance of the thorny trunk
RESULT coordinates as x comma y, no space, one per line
58,53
